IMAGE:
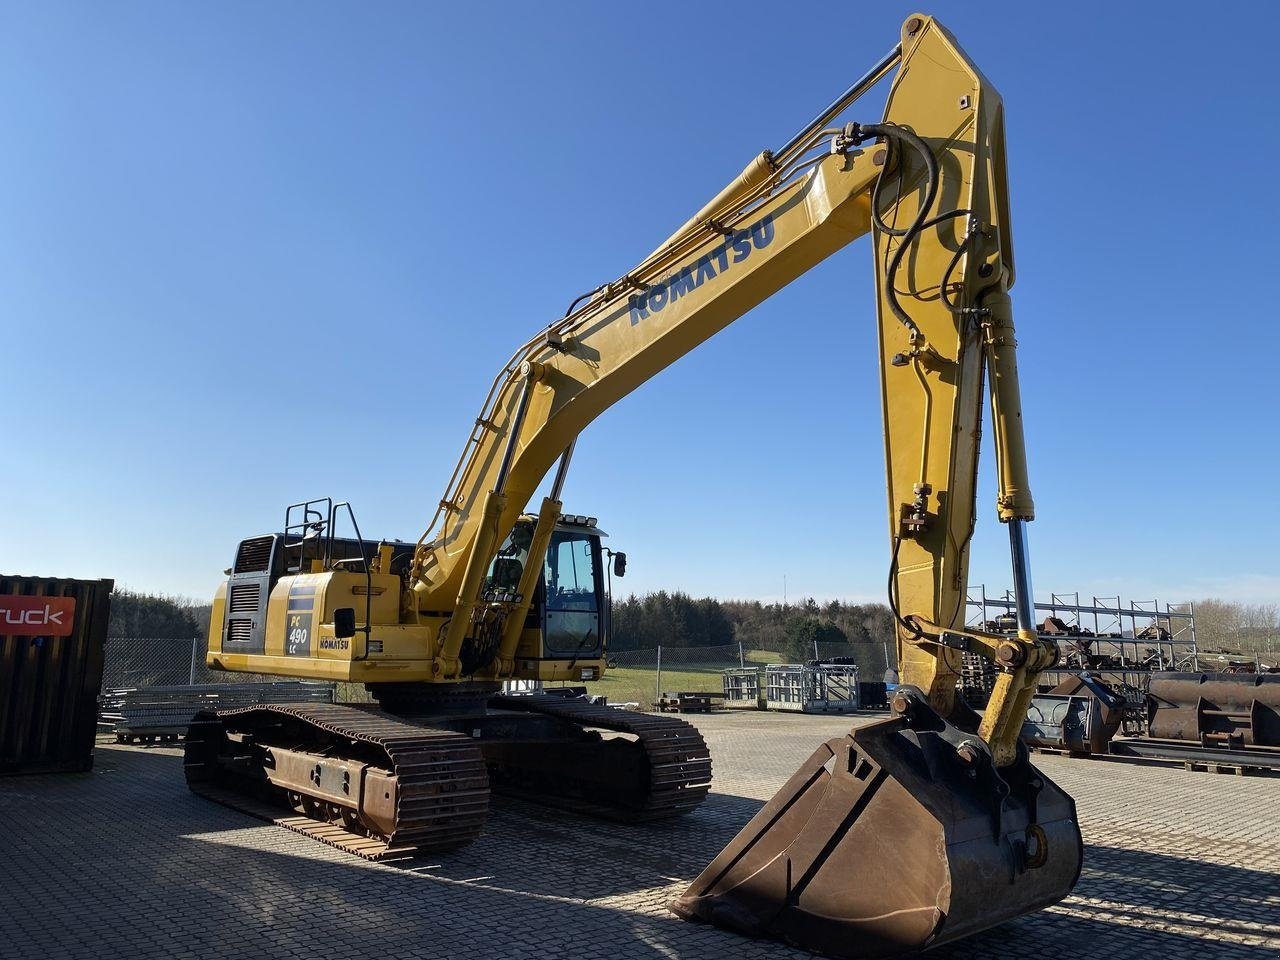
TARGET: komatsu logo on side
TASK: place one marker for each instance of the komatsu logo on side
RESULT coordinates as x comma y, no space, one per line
734,250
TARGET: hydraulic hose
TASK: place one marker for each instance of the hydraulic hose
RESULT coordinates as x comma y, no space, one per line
862,132
859,133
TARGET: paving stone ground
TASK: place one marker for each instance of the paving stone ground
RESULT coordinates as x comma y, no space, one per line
124,863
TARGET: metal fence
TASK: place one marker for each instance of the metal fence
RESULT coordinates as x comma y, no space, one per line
134,662
145,662
140,662
634,676
640,676
870,658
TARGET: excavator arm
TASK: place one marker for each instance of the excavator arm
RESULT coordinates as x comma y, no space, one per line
931,825
929,182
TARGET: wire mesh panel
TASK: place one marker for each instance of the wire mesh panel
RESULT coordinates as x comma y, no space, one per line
163,662
812,687
784,686
149,682
742,688
831,688
137,662
632,660
709,656
167,710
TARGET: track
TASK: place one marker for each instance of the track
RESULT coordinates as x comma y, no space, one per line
378,785
441,788
665,771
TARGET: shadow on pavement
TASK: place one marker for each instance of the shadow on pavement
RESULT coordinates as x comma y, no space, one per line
135,859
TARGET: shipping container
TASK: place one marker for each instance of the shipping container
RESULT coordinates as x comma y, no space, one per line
52,634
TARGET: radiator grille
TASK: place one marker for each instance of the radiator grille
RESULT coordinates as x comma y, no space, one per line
239,631
254,556
244,598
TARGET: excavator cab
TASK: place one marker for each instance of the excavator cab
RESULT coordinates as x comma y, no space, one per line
568,618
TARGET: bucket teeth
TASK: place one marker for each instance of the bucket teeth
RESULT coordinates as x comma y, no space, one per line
891,840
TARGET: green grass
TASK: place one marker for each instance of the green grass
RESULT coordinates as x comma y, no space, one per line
640,684
764,656
635,684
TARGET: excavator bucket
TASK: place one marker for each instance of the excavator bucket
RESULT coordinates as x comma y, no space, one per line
898,837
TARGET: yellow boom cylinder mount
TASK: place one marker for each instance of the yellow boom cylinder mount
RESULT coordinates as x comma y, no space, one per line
463,624
514,626
754,176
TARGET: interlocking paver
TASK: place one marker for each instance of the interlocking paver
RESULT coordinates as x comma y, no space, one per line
124,862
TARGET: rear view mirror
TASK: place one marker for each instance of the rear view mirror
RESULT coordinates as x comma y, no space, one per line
619,564
344,623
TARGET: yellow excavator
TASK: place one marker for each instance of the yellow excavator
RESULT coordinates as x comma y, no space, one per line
906,833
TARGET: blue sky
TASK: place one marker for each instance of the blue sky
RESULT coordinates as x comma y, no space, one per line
255,253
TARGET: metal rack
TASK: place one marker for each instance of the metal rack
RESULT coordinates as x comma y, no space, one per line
1133,639
1122,629
812,687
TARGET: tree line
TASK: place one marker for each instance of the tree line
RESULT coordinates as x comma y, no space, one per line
673,618
153,616
1228,625
668,618
677,619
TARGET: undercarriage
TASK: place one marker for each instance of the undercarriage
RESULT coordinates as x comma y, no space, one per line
377,783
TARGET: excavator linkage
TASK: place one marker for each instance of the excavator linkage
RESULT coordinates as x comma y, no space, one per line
898,837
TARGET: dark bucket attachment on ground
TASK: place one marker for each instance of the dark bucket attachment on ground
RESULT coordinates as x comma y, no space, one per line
1081,715
895,838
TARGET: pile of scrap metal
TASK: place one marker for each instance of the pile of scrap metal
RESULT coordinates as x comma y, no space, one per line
150,714
1212,720
1078,652
1238,663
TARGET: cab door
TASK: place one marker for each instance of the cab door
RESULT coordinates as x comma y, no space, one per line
572,627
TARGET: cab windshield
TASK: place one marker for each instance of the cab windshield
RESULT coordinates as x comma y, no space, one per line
572,613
